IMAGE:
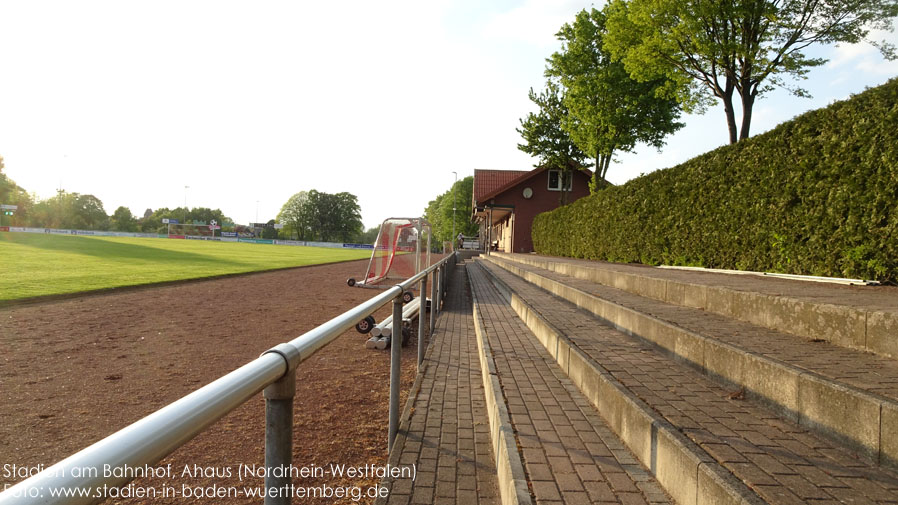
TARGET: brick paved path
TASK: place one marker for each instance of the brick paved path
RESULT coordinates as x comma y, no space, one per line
569,454
448,434
782,462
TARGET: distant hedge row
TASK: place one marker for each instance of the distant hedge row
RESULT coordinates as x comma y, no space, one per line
817,195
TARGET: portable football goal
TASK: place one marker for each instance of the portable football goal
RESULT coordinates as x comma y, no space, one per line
402,249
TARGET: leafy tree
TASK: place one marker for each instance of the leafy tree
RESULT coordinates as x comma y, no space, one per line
313,215
368,236
269,232
12,194
545,137
72,211
608,110
711,50
86,212
296,216
440,215
347,216
153,223
123,220
206,215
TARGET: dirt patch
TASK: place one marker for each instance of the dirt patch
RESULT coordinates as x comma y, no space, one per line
75,371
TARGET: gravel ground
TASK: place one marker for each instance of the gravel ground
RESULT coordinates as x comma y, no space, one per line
77,370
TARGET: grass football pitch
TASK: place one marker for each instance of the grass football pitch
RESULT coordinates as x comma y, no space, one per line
33,265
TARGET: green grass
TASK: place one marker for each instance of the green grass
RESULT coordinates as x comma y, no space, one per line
34,265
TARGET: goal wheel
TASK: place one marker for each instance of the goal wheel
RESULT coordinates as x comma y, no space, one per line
350,282
407,297
364,326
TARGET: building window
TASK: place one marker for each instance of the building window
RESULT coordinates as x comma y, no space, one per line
555,180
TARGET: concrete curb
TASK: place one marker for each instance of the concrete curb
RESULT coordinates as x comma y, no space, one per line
856,418
682,468
866,330
513,489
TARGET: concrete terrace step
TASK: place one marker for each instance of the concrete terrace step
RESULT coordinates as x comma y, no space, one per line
864,318
445,433
849,395
569,454
704,442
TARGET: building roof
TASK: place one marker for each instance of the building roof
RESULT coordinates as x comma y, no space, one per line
488,181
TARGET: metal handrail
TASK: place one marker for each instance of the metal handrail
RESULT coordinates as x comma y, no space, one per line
150,439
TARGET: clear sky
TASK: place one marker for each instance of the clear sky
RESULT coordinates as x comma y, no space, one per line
249,102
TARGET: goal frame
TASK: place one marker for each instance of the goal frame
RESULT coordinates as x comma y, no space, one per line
421,229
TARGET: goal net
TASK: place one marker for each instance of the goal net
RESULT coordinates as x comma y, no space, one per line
402,249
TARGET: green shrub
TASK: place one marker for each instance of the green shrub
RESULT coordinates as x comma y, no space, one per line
816,195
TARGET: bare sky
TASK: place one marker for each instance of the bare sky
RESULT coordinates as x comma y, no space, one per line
249,102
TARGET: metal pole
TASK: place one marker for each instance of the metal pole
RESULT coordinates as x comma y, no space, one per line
454,240
438,275
489,232
439,288
422,310
418,249
433,303
443,281
279,439
395,356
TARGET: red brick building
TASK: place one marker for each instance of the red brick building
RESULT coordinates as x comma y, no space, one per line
506,201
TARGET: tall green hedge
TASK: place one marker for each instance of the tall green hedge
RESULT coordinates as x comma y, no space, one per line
816,195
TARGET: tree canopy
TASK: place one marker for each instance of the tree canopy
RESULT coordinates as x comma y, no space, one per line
608,110
543,135
440,215
591,106
12,194
86,212
317,216
295,215
154,224
711,50
70,210
123,220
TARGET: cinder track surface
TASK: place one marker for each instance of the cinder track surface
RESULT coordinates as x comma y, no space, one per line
75,371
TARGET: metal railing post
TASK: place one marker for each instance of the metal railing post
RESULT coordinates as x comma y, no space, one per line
444,283
422,311
279,429
439,289
395,357
279,439
433,303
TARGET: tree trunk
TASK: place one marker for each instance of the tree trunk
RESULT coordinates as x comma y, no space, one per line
605,168
730,113
748,103
726,96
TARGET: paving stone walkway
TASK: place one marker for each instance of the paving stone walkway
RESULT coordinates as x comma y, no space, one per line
862,370
569,454
782,462
447,436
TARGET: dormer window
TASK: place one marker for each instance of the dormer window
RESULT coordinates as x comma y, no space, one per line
557,177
